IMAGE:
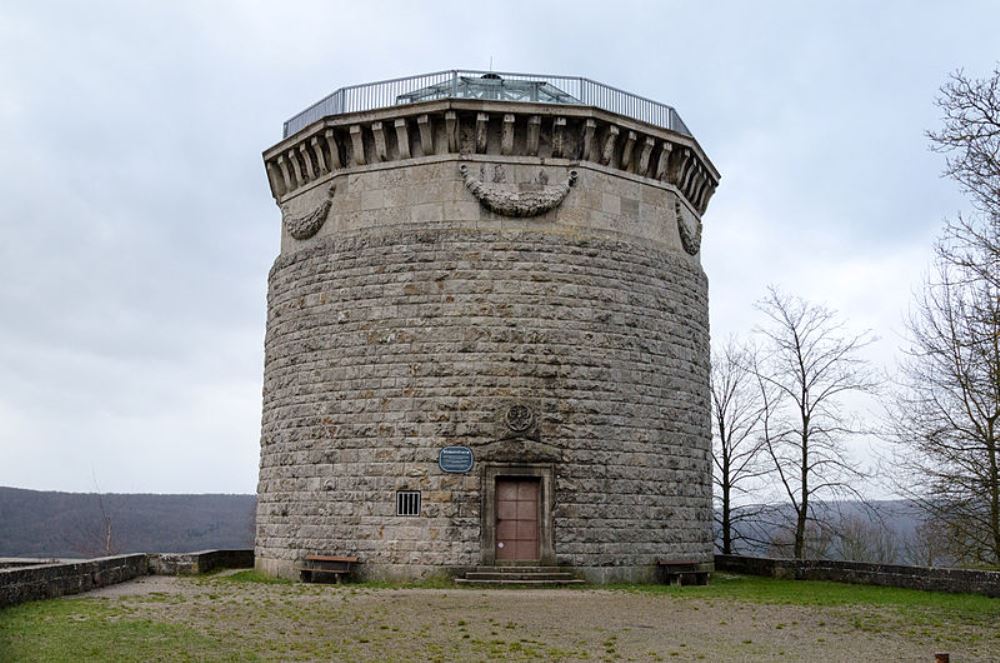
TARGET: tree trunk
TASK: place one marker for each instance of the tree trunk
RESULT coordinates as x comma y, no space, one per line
994,498
727,535
803,510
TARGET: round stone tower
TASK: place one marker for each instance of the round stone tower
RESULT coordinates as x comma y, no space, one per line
487,334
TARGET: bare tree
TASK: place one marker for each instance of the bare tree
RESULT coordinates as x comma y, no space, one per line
864,539
817,540
92,535
737,450
94,539
929,545
971,137
808,363
946,413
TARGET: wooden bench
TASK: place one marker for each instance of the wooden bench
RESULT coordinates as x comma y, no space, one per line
318,566
684,572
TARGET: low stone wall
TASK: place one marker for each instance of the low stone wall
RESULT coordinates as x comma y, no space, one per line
49,580
203,561
11,562
861,573
45,581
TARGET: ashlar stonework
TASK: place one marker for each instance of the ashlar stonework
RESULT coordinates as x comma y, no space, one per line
555,322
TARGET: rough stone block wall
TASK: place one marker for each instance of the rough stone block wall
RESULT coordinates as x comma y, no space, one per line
383,347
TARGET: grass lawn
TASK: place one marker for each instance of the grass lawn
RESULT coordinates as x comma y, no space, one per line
249,617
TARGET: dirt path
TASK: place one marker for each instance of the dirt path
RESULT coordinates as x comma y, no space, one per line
308,622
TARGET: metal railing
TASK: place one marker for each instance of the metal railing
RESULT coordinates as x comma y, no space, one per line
457,83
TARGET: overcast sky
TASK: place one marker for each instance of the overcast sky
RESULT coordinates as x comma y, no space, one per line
137,230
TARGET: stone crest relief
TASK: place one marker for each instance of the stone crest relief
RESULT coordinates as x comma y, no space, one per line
519,418
307,225
515,420
517,200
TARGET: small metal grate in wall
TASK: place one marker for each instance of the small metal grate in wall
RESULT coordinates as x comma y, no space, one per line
408,503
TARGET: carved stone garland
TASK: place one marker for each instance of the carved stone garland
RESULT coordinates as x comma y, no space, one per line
304,227
509,201
690,241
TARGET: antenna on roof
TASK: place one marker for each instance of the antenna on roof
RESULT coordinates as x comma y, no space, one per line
491,63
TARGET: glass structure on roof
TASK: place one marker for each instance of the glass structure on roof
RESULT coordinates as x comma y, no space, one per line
490,87
487,86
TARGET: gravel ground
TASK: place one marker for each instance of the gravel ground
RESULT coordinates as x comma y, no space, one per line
357,623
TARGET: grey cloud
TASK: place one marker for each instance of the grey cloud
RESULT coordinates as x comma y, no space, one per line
137,229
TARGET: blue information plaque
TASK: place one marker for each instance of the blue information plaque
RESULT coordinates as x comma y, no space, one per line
457,460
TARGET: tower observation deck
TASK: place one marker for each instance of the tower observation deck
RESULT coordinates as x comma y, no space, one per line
495,86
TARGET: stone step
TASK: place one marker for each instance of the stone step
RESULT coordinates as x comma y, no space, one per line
492,575
517,581
520,569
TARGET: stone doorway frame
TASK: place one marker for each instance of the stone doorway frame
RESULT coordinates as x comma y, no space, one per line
545,473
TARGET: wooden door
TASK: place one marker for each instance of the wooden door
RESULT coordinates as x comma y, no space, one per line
517,519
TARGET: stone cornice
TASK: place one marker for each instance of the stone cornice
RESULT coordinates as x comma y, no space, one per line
349,143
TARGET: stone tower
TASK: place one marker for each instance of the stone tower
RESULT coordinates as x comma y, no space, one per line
487,334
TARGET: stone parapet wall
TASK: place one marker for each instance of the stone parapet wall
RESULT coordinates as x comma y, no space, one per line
46,581
203,561
862,573
20,583
15,562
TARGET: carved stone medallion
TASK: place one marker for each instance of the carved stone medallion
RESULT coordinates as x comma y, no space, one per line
519,418
517,200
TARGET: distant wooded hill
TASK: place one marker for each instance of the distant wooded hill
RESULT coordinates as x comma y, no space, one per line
50,524
887,531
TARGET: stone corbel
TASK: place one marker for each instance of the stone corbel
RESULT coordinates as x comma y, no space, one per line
534,128
559,137
482,120
380,150
402,138
589,127
426,135
627,151
608,151
687,168
699,187
299,181
647,151
357,145
317,151
286,176
451,129
709,192
306,161
663,163
333,150
274,177
507,135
